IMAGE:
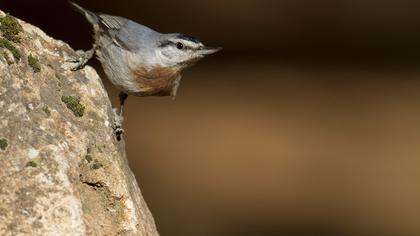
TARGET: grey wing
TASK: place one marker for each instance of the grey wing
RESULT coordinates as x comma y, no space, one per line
112,26
124,32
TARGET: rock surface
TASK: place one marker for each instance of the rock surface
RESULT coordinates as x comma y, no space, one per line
62,170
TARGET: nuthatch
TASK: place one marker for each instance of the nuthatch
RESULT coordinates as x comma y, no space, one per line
138,60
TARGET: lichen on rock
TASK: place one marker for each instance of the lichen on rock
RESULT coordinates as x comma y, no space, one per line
31,164
34,63
47,110
4,43
73,103
3,144
7,58
10,28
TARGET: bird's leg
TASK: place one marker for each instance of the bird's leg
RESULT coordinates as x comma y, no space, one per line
82,59
119,118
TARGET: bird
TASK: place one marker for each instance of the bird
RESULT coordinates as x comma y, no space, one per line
138,60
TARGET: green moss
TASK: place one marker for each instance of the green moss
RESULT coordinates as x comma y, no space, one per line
10,28
34,63
73,103
7,58
3,144
31,164
46,109
4,43
96,165
88,158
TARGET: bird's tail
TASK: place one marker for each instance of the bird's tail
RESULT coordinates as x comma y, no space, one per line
90,16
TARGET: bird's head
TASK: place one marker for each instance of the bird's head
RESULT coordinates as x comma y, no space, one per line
178,50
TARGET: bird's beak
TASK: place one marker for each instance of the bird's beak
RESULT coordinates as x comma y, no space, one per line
209,50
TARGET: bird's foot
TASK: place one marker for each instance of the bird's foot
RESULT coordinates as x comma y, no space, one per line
118,124
81,60
118,132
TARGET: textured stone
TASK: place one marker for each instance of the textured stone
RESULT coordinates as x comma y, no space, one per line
62,172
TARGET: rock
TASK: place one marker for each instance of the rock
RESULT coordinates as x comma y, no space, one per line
62,170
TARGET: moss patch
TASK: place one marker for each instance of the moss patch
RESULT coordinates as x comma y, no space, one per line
73,103
88,158
10,28
3,144
31,164
6,57
96,165
46,109
4,43
34,63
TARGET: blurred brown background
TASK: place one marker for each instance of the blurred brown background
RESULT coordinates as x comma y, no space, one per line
308,123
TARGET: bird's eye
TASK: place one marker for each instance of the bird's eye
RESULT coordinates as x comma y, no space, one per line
180,46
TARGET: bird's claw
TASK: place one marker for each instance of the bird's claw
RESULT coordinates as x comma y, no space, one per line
75,64
118,124
118,132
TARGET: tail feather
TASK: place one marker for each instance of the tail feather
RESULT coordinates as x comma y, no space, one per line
90,16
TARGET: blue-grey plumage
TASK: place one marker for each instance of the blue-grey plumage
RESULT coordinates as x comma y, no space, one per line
138,60
132,54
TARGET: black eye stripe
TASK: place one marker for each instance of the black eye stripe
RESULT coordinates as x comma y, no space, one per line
184,47
187,47
188,38
167,43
